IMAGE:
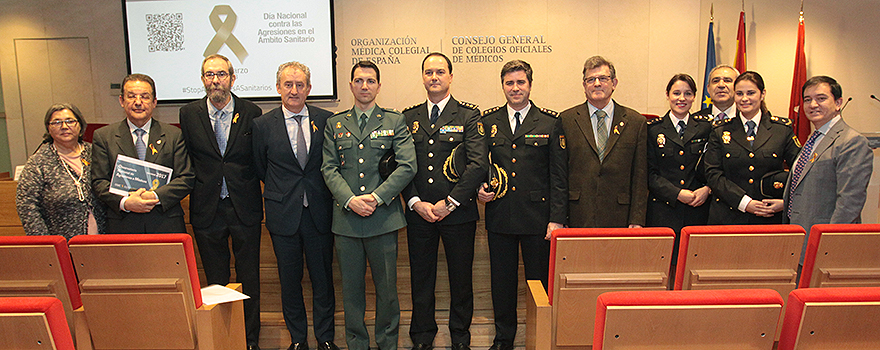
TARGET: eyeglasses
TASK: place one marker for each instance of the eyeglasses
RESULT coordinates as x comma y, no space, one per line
69,122
604,79
221,75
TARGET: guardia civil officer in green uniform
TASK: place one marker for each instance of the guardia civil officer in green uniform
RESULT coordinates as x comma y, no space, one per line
367,211
442,203
527,151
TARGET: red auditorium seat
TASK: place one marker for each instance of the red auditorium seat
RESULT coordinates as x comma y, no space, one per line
40,266
34,323
687,320
832,318
585,263
842,255
147,284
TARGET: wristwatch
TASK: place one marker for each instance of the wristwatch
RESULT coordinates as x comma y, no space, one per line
449,205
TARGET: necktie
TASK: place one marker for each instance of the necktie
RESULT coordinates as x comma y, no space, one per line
601,132
803,158
362,122
720,116
302,152
220,134
139,145
751,131
681,127
435,114
518,123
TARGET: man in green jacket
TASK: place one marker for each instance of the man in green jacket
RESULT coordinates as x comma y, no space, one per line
367,211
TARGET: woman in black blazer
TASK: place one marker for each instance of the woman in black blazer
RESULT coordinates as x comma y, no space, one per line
676,142
747,159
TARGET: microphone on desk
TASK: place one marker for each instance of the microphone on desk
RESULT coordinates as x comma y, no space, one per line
875,97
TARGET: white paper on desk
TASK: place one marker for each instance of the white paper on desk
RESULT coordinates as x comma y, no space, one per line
216,294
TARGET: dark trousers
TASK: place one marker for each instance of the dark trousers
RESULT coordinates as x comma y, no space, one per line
318,250
504,262
156,221
213,244
458,242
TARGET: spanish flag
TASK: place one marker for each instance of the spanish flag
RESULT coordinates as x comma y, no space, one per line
740,61
796,112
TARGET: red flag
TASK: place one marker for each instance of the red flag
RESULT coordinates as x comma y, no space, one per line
795,108
740,61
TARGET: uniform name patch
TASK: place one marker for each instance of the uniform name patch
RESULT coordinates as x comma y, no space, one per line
452,128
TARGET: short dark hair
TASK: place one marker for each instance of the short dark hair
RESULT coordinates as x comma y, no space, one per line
60,107
137,77
682,77
439,54
364,65
517,65
596,62
836,90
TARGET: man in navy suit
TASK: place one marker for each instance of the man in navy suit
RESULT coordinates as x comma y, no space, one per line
288,154
225,202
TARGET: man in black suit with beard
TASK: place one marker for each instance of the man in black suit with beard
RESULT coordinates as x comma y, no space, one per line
225,202
288,144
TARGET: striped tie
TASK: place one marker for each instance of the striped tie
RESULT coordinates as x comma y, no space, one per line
601,132
139,145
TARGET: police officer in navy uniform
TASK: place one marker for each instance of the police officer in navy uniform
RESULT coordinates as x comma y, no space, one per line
524,141
676,142
746,151
443,207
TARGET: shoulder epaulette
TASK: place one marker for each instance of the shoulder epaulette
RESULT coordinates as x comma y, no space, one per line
780,120
549,112
701,117
392,110
468,105
653,121
412,107
341,112
491,110
718,123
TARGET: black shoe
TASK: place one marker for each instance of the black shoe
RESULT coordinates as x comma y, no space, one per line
327,345
460,346
422,347
298,346
253,347
501,346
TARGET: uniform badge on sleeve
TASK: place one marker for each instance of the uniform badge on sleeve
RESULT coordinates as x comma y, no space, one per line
480,129
562,141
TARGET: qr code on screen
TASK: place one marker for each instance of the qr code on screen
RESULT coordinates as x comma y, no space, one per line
165,31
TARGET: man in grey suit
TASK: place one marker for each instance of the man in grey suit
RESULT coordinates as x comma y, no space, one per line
140,136
367,212
287,157
829,181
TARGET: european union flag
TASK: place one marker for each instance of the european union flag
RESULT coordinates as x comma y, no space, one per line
710,63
